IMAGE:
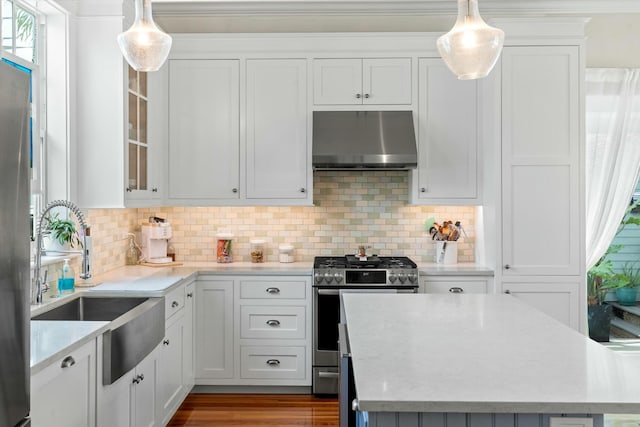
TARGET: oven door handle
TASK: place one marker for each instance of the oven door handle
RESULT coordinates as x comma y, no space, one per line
328,291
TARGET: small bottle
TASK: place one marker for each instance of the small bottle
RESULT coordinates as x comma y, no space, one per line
66,279
132,256
171,251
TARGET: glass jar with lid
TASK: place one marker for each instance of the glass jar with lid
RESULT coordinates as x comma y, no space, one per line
224,247
257,250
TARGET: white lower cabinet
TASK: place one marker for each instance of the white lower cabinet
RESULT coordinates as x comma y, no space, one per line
261,322
456,284
171,362
63,394
556,299
131,400
214,329
188,356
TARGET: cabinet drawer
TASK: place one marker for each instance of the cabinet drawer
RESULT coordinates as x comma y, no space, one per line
261,362
456,286
272,322
173,302
273,289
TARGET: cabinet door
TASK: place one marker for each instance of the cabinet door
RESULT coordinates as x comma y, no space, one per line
171,369
558,300
337,81
188,360
63,394
386,81
277,149
540,161
204,119
145,409
447,136
214,329
115,402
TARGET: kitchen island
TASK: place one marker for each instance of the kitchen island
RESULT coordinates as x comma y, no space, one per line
476,360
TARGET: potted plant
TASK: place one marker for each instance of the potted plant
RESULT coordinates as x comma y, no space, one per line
601,279
61,234
626,294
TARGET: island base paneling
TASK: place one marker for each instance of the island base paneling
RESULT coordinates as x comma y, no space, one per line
442,419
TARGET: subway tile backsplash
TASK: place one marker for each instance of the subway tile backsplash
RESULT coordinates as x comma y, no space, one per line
351,208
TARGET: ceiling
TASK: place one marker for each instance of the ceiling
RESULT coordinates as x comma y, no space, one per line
395,7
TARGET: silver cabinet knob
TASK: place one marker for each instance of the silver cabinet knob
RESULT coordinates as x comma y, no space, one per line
358,96
456,290
128,190
507,267
366,95
190,295
507,292
423,190
303,190
141,377
136,380
273,362
273,322
68,362
235,190
174,304
166,342
154,189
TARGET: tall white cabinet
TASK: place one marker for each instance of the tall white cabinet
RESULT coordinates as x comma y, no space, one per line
203,156
540,254
276,129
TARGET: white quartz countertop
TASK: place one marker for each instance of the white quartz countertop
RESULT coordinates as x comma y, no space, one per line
460,269
480,353
53,339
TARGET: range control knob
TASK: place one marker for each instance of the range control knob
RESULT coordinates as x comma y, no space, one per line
319,277
402,277
337,277
393,277
328,277
413,277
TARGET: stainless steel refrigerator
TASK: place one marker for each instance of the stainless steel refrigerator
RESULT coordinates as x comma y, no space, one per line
14,246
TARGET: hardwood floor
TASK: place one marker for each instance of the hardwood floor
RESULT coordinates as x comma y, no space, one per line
256,410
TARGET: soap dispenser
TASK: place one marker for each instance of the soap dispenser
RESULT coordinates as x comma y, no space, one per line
66,278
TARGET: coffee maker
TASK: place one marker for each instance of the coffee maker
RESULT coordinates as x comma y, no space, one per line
154,242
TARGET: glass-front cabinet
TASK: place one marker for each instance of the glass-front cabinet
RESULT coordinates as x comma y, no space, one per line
139,161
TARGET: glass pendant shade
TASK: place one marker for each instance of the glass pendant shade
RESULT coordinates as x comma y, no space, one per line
144,45
472,47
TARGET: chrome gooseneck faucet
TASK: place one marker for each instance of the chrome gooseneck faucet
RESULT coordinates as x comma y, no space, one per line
40,282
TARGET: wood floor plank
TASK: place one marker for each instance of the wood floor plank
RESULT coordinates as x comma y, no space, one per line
256,410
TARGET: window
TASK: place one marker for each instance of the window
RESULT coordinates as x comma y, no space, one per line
20,28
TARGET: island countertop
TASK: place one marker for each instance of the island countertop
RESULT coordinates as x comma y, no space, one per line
479,353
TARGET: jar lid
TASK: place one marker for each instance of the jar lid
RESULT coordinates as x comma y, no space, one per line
285,247
257,241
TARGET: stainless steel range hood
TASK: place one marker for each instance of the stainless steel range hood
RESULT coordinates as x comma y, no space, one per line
364,140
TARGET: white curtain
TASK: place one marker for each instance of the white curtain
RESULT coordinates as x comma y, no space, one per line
612,152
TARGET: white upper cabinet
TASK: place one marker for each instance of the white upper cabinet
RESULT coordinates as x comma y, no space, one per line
541,200
277,129
448,137
369,81
203,159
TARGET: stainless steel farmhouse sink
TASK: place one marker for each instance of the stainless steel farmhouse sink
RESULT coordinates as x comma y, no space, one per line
136,327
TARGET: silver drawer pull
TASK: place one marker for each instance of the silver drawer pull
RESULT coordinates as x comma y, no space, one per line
68,362
456,290
273,322
174,304
273,290
328,375
273,362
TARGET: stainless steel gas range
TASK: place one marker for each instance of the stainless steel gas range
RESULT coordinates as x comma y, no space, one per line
335,275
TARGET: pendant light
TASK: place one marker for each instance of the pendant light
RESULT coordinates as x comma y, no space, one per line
144,45
472,47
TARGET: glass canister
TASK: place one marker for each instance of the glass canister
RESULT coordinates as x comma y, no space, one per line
224,248
286,253
257,250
